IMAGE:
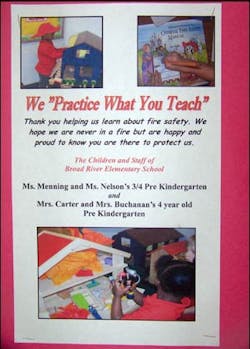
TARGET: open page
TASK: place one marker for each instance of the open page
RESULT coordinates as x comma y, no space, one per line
116,125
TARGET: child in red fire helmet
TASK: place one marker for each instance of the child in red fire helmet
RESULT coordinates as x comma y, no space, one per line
47,53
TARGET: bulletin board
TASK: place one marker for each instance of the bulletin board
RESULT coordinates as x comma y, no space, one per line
30,25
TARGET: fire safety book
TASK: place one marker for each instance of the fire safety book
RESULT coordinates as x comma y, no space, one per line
185,37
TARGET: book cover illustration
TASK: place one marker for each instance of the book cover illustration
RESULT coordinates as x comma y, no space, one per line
155,42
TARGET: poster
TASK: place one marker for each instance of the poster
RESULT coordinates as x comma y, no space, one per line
142,158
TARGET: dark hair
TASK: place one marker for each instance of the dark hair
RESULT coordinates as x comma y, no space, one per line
176,277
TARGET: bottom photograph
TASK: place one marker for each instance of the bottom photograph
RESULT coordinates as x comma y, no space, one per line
116,273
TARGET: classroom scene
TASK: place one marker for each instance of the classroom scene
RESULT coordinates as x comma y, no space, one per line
61,52
116,273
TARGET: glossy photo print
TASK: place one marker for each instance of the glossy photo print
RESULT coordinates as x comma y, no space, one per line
116,273
175,51
61,52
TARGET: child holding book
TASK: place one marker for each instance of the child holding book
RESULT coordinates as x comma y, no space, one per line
47,53
175,289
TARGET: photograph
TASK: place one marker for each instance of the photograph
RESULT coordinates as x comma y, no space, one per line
175,51
116,273
61,52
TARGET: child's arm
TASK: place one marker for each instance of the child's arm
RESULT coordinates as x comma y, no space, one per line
138,297
116,308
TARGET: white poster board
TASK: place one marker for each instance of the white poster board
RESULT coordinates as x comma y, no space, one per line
120,155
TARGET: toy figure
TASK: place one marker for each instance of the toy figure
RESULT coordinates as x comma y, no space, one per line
127,278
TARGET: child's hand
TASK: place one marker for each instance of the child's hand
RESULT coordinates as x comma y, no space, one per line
118,289
174,61
132,285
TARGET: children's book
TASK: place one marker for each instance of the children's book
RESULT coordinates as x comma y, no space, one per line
155,42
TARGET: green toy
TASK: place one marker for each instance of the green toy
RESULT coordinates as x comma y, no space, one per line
80,301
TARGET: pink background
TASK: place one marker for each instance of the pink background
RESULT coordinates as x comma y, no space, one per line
235,194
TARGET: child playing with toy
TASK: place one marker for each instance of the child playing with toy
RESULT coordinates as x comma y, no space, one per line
175,289
47,53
